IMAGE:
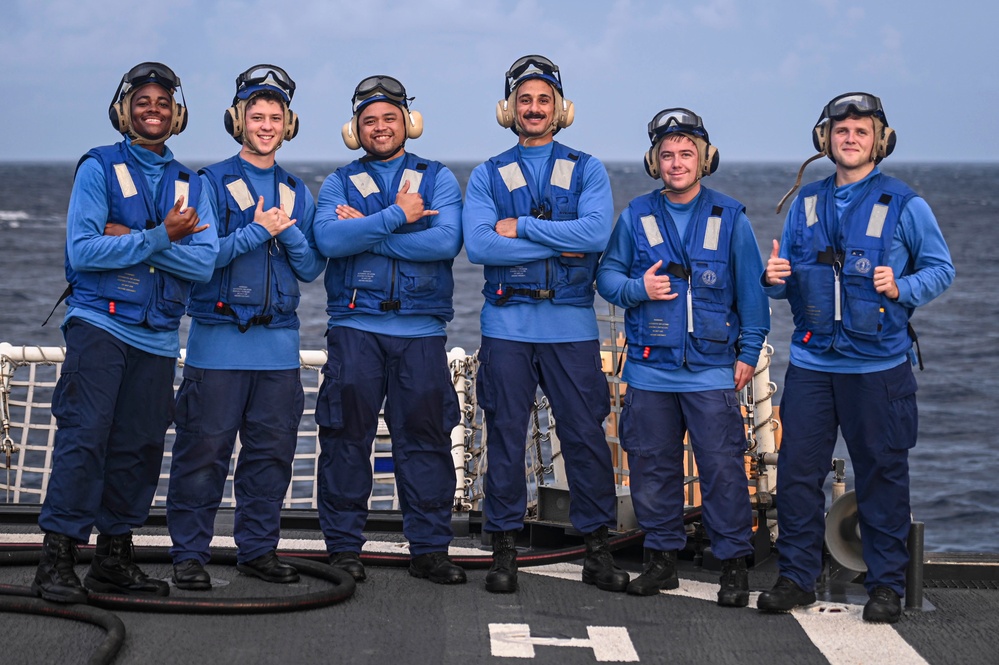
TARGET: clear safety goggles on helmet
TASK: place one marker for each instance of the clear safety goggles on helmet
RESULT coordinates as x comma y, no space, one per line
854,103
147,72
384,86
260,77
532,66
668,121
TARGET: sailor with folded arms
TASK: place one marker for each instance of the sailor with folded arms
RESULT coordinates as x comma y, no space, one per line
537,217
138,232
391,224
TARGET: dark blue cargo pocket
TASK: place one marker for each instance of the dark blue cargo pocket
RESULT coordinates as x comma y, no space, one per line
65,393
903,415
329,402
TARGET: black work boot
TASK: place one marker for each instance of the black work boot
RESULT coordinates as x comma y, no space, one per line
269,568
734,583
885,606
55,579
113,570
190,575
502,576
659,574
784,597
350,563
436,567
598,566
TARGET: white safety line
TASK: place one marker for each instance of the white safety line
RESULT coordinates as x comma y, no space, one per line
836,629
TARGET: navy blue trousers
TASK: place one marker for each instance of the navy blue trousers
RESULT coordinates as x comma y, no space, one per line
264,407
112,404
652,428
877,416
411,376
570,375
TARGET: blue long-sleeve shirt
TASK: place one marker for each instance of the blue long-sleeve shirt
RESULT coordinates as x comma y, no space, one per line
615,285
537,239
919,258
375,233
214,346
88,249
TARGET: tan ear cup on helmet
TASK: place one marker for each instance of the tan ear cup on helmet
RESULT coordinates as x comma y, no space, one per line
652,160
565,112
233,121
290,124
414,124
349,135
504,112
120,117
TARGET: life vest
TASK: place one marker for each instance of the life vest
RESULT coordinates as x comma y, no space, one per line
139,294
700,327
561,279
370,283
831,287
258,287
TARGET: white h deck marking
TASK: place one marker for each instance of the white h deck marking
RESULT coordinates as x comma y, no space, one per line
610,644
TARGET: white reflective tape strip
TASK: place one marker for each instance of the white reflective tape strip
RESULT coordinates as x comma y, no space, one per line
562,173
838,308
287,196
712,232
652,233
365,184
240,194
125,180
690,308
810,215
876,224
512,176
182,188
414,177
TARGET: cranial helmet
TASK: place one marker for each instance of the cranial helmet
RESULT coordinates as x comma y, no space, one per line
380,89
860,104
686,123
524,69
253,82
855,104
120,109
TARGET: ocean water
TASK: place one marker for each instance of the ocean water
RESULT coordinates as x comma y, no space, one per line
954,467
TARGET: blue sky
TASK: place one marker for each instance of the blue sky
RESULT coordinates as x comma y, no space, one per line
757,71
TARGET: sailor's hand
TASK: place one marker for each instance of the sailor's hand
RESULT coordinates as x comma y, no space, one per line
884,282
778,269
113,229
743,374
274,220
507,227
657,286
412,204
182,224
346,212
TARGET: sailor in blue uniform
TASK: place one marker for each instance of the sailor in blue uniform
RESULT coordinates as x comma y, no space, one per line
859,252
391,224
241,373
684,262
138,232
537,218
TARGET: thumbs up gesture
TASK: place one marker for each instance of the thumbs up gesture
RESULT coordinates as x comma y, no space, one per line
777,268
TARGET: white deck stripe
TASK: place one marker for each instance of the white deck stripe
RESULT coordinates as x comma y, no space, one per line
836,629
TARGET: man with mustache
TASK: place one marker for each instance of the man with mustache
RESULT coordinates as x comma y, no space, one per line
537,217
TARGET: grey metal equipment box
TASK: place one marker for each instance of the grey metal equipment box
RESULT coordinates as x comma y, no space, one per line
553,507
